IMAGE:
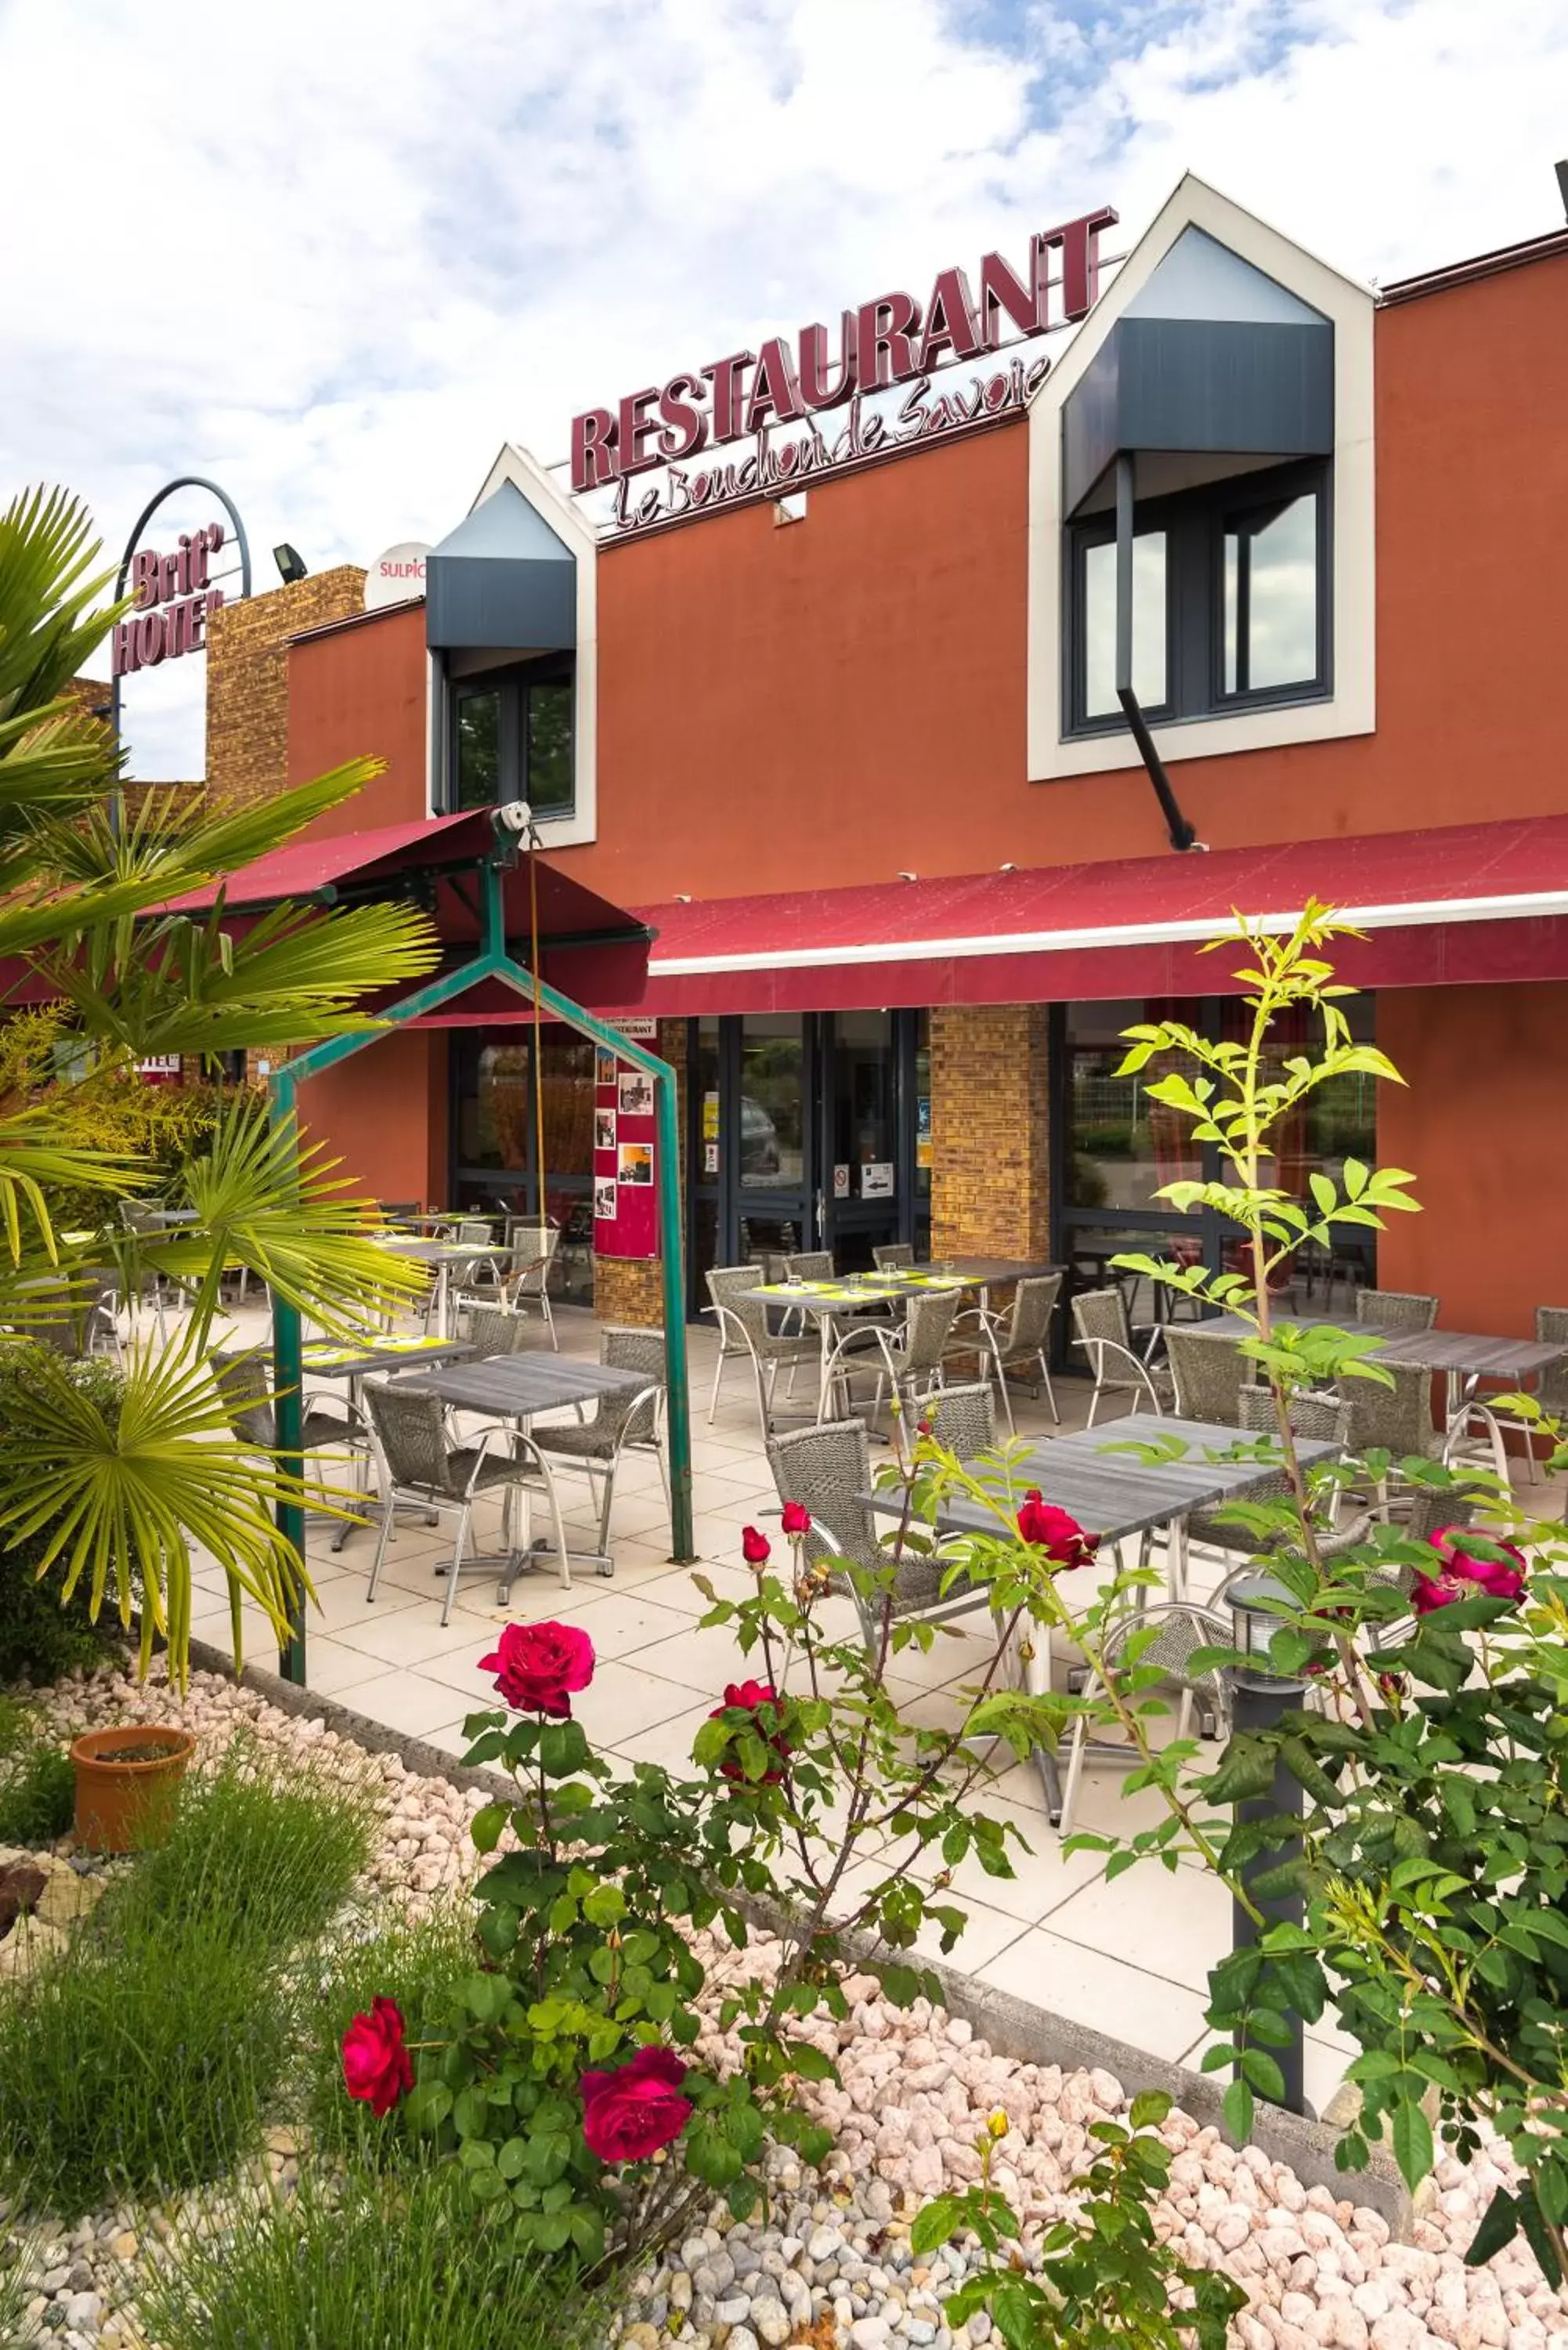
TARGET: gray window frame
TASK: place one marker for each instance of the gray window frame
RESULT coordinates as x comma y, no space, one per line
513,681
1194,522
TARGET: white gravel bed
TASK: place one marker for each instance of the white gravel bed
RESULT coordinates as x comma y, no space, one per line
916,2089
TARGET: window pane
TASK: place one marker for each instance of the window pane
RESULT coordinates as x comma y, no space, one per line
773,1076
862,1093
1100,625
550,746
478,774
1271,598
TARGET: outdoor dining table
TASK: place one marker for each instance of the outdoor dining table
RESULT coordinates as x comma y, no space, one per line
1114,1494
516,1388
440,1255
350,1359
847,1296
1460,1359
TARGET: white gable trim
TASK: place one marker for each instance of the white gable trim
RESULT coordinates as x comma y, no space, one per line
1351,707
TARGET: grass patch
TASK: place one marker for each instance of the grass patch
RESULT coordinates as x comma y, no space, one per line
377,2264
413,1963
151,2055
37,1796
268,1860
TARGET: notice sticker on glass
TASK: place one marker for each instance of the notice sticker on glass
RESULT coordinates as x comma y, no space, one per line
710,1159
710,1117
876,1180
841,1182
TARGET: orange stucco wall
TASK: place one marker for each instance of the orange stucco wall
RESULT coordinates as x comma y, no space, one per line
360,691
384,1114
1483,1123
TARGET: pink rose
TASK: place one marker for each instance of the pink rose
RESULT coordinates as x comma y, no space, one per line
1046,1527
796,1518
376,2067
1464,1576
631,2113
538,1666
747,1696
756,1547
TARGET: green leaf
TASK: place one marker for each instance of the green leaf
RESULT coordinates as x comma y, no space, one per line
604,1905
427,2105
562,1748
935,2224
1149,2108
1498,2226
487,1824
1238,2109
1411,2133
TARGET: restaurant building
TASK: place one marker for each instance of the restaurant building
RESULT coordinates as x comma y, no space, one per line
854,733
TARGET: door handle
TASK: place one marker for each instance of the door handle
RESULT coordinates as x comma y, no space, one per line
821,1213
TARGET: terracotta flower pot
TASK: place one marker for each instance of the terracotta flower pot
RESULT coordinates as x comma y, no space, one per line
128,1783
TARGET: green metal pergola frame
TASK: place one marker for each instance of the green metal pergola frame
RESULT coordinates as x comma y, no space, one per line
494,961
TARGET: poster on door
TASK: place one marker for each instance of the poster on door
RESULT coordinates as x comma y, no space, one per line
626,1219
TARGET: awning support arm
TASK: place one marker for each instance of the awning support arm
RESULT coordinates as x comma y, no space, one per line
493,962
1182,836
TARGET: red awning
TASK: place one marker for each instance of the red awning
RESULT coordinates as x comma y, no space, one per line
1486,902
596,952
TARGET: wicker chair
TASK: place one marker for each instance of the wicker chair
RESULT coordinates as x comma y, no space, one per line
1211,1376
1324,1420
908,1357
963,1419
809,1265
828,1468
1396,1309
424,1470
244,1380
492,1330
1396,1420
531,1256
1180,1629
71,1316
1102,1329
744,1334
892,1256
628,1421
1020,1337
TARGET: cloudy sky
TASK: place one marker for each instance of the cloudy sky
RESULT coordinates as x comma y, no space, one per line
333,252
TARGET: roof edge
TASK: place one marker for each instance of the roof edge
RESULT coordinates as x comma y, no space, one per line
1452,274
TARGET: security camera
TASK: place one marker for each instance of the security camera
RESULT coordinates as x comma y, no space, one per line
514,816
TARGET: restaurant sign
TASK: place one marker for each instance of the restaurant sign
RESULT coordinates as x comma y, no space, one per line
890,342
173,599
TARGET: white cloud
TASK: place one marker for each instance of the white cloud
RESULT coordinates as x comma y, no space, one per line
333,253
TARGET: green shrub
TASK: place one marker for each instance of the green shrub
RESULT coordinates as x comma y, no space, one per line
374,2265
37,1796
266,1857
40,1636
412,1964
142,2060
150,2057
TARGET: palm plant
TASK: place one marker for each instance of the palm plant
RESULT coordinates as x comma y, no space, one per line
91,920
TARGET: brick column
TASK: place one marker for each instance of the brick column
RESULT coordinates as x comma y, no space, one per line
628,1290
989,1121
247,680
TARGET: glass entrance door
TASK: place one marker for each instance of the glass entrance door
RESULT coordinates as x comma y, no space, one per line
772,1125
862,1197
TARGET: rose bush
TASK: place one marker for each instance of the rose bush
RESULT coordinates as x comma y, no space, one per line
1471,1563
637,2109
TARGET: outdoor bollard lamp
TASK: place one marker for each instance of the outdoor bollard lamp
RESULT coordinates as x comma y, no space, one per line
1259,1697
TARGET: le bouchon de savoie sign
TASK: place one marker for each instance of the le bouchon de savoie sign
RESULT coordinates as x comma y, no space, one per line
893,340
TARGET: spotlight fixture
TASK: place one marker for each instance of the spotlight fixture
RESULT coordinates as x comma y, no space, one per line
909,877
682,897
290,567
1007,868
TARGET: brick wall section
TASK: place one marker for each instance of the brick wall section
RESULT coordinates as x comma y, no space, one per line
990,1113
247,679
630,1291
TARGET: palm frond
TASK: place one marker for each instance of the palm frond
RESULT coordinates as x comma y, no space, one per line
120,1493
263,1202
38,1153
48,589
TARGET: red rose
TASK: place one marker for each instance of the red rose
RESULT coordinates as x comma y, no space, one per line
1046,1527
537,1666
1463,1575
796,1518
746,1697
756,1547
375,2064
631,2113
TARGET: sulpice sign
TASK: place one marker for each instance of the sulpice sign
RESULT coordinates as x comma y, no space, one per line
173,601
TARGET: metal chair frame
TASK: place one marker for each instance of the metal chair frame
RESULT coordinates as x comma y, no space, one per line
745,1323
1114,1365
1019,1337
452,1479
631,1420
243,1378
